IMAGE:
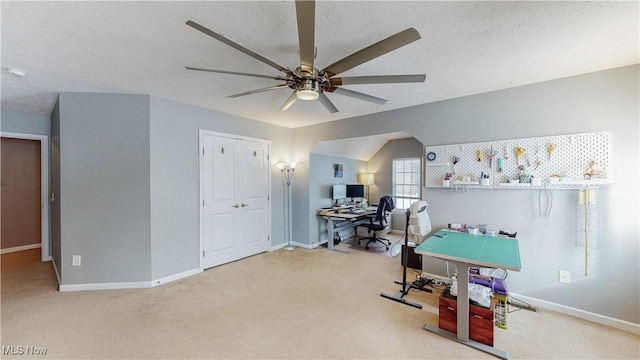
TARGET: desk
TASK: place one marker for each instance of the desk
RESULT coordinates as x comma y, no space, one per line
468,250
354,218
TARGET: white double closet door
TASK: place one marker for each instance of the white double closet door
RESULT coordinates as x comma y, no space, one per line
234,187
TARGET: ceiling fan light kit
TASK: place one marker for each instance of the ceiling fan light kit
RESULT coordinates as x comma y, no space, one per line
308,90
307,81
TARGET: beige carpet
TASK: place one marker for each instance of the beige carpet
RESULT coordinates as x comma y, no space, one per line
300,304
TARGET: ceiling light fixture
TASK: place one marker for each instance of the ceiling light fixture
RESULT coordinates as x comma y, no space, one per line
308,90
17,72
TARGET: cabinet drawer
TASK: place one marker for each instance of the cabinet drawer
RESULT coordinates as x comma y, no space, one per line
481,330
448,318
480,320
481,312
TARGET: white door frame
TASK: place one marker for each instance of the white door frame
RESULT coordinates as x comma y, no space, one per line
201,134
44,186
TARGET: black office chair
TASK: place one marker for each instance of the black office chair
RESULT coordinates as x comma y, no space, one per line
378,222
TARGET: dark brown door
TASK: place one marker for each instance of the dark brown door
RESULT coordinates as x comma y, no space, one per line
20,197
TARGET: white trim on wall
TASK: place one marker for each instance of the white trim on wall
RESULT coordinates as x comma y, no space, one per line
128,285
20,248
586,315
44,186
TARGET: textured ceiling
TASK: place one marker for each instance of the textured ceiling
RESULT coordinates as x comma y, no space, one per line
142,48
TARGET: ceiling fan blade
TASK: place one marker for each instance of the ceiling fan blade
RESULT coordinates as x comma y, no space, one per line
237,46
287,104
259,90
359,95
306,15
380,48
378,79
236,73
324,100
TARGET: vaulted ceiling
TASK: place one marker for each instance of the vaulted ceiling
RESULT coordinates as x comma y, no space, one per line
142,48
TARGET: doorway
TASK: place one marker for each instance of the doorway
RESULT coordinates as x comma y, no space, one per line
16,148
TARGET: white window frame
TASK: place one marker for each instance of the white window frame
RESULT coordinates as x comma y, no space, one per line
397,198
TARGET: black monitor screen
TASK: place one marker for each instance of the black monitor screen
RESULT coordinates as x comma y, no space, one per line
355,191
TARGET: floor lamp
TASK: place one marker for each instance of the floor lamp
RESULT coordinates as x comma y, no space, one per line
287,171
367,179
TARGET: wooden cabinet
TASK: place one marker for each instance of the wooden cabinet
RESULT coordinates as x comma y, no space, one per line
480,319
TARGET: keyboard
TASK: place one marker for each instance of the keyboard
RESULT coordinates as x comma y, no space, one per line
358,211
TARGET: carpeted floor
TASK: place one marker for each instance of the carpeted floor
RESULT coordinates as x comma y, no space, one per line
300,304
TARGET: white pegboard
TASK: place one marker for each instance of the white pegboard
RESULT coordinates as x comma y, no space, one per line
562,168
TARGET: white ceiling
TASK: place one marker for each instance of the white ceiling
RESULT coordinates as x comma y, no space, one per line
142,48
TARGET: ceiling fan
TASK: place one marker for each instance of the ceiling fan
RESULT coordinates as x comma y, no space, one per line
311,83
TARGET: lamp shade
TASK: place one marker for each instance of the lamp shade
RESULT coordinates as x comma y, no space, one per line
367,178
284,165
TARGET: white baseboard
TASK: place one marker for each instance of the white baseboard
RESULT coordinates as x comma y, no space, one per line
129,285
20,248
106,286
296,244
170,278
306,246
586,315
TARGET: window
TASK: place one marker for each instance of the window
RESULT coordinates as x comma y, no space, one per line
406,182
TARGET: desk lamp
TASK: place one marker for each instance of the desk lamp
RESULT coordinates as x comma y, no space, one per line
287,171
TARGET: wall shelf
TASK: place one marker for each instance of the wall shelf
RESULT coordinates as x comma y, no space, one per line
466,183
428,163
516,185
569,158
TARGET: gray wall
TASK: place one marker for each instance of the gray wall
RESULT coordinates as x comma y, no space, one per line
601,101
128,175
381,164
175,179
320,184
104,188
25,123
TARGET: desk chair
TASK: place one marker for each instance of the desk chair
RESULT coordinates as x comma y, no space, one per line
378,222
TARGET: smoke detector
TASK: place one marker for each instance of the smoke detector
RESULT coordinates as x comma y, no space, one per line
17,72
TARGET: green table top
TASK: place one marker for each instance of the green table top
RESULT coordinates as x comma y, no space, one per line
481,250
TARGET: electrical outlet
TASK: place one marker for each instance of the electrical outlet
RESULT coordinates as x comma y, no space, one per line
76,260
565,277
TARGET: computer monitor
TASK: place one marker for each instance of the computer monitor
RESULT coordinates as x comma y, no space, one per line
339,192
355,191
